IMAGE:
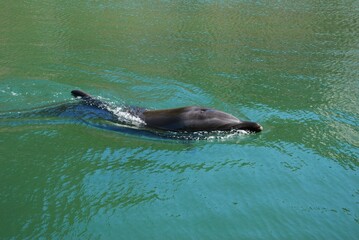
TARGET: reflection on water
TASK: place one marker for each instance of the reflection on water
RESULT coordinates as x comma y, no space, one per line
290,65
97,182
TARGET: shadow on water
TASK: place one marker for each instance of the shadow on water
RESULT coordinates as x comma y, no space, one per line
112,119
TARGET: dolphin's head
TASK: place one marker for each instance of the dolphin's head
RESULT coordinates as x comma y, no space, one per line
249,126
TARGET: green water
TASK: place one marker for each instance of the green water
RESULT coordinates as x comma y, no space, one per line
292,66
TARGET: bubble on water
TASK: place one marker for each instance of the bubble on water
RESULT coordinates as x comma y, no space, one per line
205,135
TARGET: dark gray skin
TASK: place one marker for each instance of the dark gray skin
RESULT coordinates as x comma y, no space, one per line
190,119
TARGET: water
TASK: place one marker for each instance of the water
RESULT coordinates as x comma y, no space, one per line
292,66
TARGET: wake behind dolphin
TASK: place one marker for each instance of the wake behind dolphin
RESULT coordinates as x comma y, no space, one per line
184,119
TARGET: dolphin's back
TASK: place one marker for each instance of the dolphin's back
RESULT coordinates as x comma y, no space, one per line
191,119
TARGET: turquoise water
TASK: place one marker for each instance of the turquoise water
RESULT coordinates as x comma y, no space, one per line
292,66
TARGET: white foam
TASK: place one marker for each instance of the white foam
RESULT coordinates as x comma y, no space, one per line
126,117
209,136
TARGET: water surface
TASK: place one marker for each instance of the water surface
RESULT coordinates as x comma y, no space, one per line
290,65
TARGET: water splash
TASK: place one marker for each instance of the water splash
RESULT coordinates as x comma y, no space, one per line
126,117
202,135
